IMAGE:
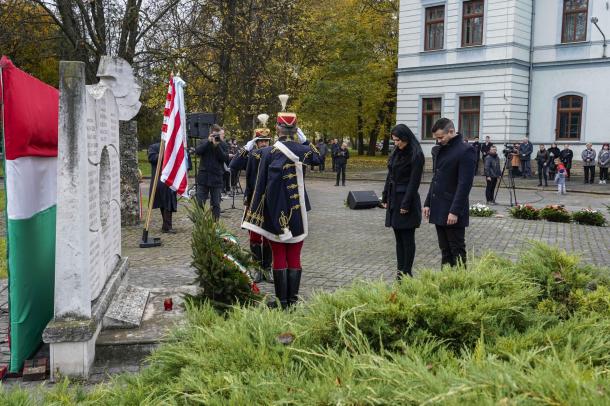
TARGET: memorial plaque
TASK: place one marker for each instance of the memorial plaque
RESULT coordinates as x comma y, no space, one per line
88,263
127,308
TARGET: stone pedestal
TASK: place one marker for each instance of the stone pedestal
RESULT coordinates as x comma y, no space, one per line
88,262
130,182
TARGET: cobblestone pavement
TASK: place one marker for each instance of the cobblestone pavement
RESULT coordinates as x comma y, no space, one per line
345,245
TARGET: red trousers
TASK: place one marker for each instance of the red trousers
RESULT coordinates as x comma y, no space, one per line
286,255
257,238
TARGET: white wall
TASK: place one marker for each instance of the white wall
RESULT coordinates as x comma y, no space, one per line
547,32
590,81
503,92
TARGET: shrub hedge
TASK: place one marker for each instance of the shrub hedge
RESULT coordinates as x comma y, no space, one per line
532,332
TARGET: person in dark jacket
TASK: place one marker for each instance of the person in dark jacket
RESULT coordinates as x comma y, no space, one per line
247,159
341,157
213,154
492,172
477,149
542,159
323,148
165,198
334,147
279,204
554,152
446,205
525,154
566,156
400,195
485,147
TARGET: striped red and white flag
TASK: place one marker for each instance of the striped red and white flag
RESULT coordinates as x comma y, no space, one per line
174,172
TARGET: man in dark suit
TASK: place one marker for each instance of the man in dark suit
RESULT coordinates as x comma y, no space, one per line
446,205
213,154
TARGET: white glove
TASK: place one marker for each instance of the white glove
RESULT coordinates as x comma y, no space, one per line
250,145
301,136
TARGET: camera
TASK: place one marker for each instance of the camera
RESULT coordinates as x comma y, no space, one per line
216,137
508,150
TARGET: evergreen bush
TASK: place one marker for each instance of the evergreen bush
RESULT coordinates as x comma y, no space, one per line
222,266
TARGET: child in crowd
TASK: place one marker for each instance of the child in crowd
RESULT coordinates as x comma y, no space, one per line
560,177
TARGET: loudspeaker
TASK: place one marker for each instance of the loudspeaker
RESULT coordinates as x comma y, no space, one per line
362,200
198,125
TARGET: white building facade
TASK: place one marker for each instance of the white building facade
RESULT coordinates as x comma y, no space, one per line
506,69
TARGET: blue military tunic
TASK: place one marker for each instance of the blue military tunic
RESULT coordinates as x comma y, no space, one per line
279,203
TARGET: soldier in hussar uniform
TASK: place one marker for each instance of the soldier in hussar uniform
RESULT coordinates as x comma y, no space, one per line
248,159
279,204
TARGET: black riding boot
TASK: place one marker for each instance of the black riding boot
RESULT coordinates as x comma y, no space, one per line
280,282
294,281
257,254
267,261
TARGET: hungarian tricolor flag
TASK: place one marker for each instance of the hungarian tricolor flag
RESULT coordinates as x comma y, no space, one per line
30,123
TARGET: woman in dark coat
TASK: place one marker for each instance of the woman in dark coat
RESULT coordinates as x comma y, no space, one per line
400,195
165,198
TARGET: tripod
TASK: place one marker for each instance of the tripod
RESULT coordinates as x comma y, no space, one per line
510,186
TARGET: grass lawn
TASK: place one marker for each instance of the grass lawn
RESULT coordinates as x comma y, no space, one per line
3,264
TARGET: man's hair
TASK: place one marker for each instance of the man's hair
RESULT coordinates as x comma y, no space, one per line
493,147
216,128
443,124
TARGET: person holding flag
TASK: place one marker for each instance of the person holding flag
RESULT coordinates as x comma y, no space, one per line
279,204
169,159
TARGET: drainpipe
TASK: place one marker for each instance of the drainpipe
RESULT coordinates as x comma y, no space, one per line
594,20
531,71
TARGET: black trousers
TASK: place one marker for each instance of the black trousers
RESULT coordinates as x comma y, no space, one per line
405,249
603,173
341,173
334,163
543,173
226,177
167,219
322,163
490,189
589,174
451,241
205,192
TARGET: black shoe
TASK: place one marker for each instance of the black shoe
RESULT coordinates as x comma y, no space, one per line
540,184
294,282
400,275
170,231
280,283
336,184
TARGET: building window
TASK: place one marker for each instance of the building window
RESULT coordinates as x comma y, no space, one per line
431,111
472,23
470,116
569,117
574,21
435,28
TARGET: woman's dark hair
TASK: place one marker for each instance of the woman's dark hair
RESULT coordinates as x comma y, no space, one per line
404,133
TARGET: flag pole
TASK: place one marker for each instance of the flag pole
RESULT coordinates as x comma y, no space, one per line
155,242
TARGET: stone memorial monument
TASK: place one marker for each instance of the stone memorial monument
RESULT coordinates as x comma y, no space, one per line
88,262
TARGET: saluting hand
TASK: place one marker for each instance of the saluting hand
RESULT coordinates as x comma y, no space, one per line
452,219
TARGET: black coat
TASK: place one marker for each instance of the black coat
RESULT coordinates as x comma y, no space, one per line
341,156
401,190
212,163
165,198
451,183
566,156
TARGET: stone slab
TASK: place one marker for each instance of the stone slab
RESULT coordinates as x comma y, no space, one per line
127,307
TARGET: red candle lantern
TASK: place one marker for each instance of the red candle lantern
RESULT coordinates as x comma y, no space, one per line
168,304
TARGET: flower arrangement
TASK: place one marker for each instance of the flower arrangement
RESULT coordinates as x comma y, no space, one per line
556,214
589,217
481,210
525,212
